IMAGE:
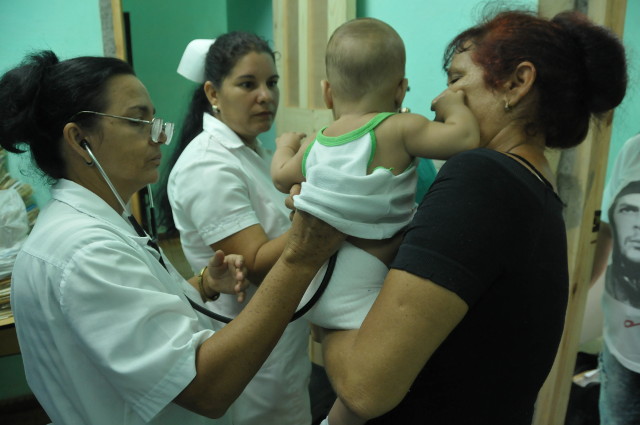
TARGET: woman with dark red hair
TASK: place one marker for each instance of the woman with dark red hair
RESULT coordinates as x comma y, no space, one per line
469,318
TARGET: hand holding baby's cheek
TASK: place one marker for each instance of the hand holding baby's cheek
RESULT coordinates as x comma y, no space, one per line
295,190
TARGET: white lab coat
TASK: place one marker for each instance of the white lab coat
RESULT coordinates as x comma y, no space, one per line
218,187
106,333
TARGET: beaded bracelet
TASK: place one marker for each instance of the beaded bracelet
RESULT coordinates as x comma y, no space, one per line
203,293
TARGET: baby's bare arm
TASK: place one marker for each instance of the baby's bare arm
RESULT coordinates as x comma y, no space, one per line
454,130
286,165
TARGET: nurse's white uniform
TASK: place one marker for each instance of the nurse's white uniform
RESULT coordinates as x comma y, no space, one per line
218,187
106,333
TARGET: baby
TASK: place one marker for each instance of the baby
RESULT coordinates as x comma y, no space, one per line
359,174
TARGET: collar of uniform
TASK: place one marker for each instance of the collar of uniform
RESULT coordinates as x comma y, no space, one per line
224,134
87,202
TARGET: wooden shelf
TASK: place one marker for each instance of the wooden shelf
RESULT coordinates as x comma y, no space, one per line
7,322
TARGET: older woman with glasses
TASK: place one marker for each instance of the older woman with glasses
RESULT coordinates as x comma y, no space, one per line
159,128
105,324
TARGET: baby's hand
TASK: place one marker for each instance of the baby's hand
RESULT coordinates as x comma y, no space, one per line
291,140
227,274
288,202
445,102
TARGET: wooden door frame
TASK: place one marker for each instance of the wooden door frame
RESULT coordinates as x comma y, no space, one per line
581,172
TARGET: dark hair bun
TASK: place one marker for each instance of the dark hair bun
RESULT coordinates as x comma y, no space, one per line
19,89
604,59
39,97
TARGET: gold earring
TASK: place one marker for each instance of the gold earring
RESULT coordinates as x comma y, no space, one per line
507,106
216,110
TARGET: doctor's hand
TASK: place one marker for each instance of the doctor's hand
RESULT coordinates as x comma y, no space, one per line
311,241
226,274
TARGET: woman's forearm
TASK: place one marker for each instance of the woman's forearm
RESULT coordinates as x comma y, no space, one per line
224,364
372,368
229,359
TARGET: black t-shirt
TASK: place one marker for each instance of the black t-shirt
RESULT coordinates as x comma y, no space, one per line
493,233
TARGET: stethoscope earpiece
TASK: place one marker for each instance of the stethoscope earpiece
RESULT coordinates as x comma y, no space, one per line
85,145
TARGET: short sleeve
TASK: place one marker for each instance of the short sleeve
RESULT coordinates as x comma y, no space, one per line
213,195
132,325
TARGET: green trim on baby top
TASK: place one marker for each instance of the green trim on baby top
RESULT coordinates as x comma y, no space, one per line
348,137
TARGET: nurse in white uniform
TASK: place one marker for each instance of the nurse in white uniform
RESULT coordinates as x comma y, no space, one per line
222,197
106,326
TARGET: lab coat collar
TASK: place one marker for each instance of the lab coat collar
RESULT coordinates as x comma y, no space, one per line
87,202
227,137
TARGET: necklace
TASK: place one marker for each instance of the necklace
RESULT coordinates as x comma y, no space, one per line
534,169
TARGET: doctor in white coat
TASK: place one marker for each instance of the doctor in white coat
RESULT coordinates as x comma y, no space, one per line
105,324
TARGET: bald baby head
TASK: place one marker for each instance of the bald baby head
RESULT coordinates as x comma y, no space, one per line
364,55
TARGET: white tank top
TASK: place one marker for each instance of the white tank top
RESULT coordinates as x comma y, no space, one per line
339,190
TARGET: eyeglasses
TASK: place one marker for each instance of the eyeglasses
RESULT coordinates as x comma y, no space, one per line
158,126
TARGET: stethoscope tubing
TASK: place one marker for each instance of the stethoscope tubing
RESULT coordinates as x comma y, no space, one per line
298,314
152,243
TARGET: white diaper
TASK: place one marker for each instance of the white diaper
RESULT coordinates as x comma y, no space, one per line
354,286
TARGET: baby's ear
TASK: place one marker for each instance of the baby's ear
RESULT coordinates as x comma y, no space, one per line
326,93
401,91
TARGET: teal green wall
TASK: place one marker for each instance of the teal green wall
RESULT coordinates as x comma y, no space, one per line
69,28
251,15
626,120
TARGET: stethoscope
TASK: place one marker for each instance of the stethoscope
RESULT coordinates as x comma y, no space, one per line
152,243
